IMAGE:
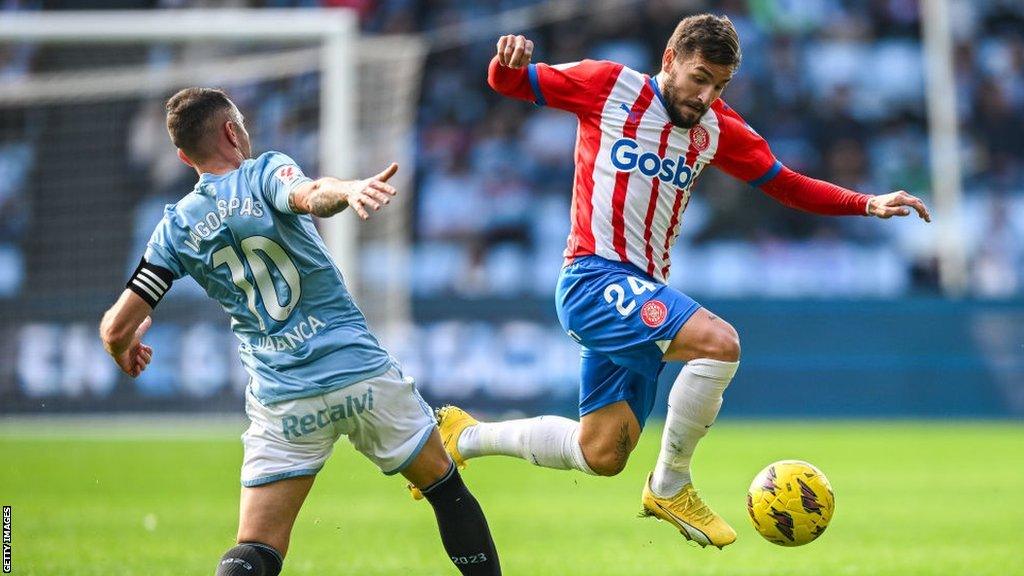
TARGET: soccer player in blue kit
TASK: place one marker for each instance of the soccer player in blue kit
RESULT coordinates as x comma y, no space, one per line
245,235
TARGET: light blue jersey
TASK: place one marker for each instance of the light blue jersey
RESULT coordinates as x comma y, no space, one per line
302,335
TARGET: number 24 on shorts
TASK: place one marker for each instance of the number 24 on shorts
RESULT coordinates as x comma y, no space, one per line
615,294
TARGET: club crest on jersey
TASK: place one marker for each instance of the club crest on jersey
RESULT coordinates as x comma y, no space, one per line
699,138
653,313
628,156
287,174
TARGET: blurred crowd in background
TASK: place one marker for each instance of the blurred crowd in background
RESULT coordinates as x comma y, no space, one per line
837,89
835,86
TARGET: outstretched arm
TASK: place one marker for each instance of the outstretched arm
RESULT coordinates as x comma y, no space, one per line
328,196
122,329
744,154
820,197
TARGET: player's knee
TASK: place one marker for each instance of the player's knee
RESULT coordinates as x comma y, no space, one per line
605,460
723,344
250,559
430,465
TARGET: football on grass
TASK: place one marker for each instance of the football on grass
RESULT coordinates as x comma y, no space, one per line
790,502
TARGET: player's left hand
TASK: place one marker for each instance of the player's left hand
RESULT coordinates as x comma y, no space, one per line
897,203
134,359
372,193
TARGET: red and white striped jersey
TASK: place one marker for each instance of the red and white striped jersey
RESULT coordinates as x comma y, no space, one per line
634,168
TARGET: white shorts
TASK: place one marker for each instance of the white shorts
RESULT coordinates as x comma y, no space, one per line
384,417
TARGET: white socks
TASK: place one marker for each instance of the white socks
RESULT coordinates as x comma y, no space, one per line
548,441
554,442
693,404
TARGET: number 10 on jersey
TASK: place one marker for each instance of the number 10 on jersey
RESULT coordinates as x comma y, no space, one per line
268,291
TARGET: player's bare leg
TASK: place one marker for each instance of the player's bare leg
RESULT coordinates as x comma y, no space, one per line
608,435
464,531
267,513
710,347
430,465
266,516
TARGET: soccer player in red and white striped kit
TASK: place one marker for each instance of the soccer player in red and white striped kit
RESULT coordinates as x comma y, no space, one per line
642,143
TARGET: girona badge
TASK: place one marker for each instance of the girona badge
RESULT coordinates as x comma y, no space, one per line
287,174
700,138
653,313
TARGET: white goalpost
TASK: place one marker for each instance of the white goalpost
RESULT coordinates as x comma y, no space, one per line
364,100
944,142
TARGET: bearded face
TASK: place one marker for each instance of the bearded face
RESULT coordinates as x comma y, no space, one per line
690,85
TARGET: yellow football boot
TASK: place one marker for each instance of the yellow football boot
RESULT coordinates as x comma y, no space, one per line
451,421
687,512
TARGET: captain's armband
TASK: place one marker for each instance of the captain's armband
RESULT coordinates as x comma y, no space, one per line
150,282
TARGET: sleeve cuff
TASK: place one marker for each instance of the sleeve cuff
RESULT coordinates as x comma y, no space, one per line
283,200
538,98
767,176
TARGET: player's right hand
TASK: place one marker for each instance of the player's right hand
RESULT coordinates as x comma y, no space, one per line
134,359
514,51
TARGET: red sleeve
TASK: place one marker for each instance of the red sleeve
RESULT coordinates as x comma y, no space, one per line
744,154
507,81
816,196
572,87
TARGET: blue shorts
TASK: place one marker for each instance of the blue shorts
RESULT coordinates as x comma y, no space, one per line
625,321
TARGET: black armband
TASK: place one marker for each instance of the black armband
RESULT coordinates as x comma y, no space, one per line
150,282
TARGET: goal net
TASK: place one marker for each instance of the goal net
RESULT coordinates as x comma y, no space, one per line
86,167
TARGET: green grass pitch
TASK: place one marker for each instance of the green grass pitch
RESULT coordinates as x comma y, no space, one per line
912,498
